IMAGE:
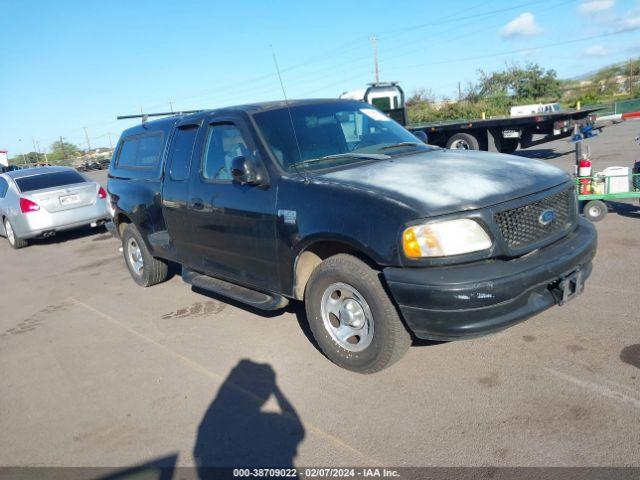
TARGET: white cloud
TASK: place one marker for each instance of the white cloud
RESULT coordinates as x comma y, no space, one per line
594,6
597,51
630,23
524,25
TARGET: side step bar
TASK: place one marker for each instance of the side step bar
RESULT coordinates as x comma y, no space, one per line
261,300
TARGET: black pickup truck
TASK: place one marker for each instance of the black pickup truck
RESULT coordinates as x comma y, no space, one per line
332,203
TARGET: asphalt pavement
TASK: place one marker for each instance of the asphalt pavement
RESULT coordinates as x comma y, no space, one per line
97,371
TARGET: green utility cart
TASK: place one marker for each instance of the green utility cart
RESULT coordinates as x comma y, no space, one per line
592,191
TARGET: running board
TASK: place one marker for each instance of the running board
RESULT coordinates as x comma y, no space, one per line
261,300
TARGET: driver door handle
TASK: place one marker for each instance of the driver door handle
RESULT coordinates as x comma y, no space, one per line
196,204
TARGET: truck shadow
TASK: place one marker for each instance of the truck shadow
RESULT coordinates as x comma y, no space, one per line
295,308
542,153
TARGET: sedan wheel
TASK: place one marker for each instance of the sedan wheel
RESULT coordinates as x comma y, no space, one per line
12,238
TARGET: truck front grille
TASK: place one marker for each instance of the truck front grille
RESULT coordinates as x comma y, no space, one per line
525,225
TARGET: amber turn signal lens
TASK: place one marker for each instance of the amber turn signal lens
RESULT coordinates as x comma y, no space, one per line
410,244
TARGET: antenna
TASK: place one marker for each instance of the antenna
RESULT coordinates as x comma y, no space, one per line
293,128
374,44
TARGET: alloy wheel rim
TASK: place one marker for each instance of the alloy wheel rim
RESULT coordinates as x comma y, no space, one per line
134,256
346,317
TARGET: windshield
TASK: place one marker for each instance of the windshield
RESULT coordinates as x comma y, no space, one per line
332,134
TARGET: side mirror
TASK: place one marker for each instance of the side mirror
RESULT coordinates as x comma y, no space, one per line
420,135
243,170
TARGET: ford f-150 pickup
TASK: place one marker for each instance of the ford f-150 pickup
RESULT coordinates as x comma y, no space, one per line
330,202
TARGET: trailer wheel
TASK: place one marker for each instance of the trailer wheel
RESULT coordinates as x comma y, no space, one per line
595,210
463,141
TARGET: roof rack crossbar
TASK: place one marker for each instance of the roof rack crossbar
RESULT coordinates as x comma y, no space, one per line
162,114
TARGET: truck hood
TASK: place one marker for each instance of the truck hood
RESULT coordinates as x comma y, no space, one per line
439,182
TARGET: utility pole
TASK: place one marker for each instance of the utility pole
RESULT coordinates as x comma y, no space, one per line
459,93
24,157
374,44
64,153
44,152
630,75
110,142
171,105
86,135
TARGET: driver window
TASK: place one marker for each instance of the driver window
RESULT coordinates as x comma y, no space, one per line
224,143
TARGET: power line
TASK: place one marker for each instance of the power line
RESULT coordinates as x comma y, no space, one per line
499,54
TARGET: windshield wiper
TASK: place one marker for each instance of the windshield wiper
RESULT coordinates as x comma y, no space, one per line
367,156
400,144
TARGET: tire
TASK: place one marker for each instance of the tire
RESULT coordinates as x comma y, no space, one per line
145,269
335,285
595,210
14,241
463,141
508,145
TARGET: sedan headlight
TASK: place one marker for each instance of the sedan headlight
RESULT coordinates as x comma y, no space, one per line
439,239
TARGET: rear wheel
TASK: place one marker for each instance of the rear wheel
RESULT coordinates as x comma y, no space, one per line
595,210
463,141
13,239
352,317
145,269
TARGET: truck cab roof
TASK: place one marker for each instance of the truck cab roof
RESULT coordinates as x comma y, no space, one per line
165,123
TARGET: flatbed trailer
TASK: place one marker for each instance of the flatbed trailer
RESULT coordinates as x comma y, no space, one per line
505,134
498,134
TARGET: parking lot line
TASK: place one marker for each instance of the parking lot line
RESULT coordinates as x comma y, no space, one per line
596,387
199,368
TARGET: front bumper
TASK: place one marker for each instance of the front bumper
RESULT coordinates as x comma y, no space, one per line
464,301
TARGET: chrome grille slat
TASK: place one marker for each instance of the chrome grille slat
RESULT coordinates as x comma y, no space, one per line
520,226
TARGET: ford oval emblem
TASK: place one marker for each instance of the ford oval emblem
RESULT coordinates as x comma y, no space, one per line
547,217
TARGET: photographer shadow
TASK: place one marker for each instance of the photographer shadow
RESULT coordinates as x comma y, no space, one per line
236,431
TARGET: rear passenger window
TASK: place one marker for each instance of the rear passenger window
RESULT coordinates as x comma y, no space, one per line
181,150
128,152
140,151
4,186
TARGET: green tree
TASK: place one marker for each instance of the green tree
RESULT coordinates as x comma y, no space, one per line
530,82
61,150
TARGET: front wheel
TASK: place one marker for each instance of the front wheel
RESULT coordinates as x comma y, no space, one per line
13,239
352,317
145,269
595,210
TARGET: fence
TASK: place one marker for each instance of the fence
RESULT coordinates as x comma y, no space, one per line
624,106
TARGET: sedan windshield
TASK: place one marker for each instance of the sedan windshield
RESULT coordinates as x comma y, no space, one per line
332,134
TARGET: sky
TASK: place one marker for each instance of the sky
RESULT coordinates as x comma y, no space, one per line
70,65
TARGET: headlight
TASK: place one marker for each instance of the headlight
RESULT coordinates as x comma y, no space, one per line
439,239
